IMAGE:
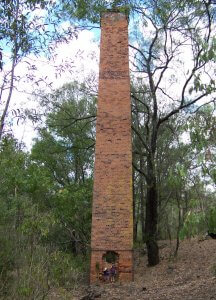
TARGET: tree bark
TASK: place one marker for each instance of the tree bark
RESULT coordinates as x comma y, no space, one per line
5,111
151,216
14,62
134,211
142,200
178,227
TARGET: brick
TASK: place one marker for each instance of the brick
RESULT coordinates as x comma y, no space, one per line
112,212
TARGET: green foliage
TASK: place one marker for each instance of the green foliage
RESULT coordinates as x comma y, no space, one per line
45,269
194,224
7,258
12,164
73,206
24,31
69,135
45,196
91,10
64,154
37,224
213,175
47,225
66,270
211,219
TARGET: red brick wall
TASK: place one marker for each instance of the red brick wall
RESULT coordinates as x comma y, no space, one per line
112,216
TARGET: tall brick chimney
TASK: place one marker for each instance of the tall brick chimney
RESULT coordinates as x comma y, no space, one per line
112,215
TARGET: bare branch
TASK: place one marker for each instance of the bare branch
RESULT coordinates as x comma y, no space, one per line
140,171
140,137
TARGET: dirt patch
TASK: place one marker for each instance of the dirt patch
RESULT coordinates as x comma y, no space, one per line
192,275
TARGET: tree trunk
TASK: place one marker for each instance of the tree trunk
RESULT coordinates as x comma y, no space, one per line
177,234
14,62
151,217
168,231
134,211
5,111
142,200
178,227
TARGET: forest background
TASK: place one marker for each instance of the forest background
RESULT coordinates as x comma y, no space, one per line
46,189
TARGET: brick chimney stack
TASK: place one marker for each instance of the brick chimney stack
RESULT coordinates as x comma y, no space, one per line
112,213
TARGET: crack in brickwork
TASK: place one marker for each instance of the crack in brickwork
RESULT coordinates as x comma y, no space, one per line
112,215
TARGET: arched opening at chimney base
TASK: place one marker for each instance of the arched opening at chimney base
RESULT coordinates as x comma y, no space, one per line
111,257
110,261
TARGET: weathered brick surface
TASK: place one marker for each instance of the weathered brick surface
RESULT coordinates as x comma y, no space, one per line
112,216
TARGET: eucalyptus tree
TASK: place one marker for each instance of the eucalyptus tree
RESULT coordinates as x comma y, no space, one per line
202,135
65,148
42,225
28,29
174,51
12,199
173,57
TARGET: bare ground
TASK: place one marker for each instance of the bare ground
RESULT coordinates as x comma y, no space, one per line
192,275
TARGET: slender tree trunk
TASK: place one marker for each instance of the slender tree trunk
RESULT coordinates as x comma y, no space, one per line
14,62
83,174
5,111
142,200
18,241
76,177
160,230
151,216
168,232
179,227
134,211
